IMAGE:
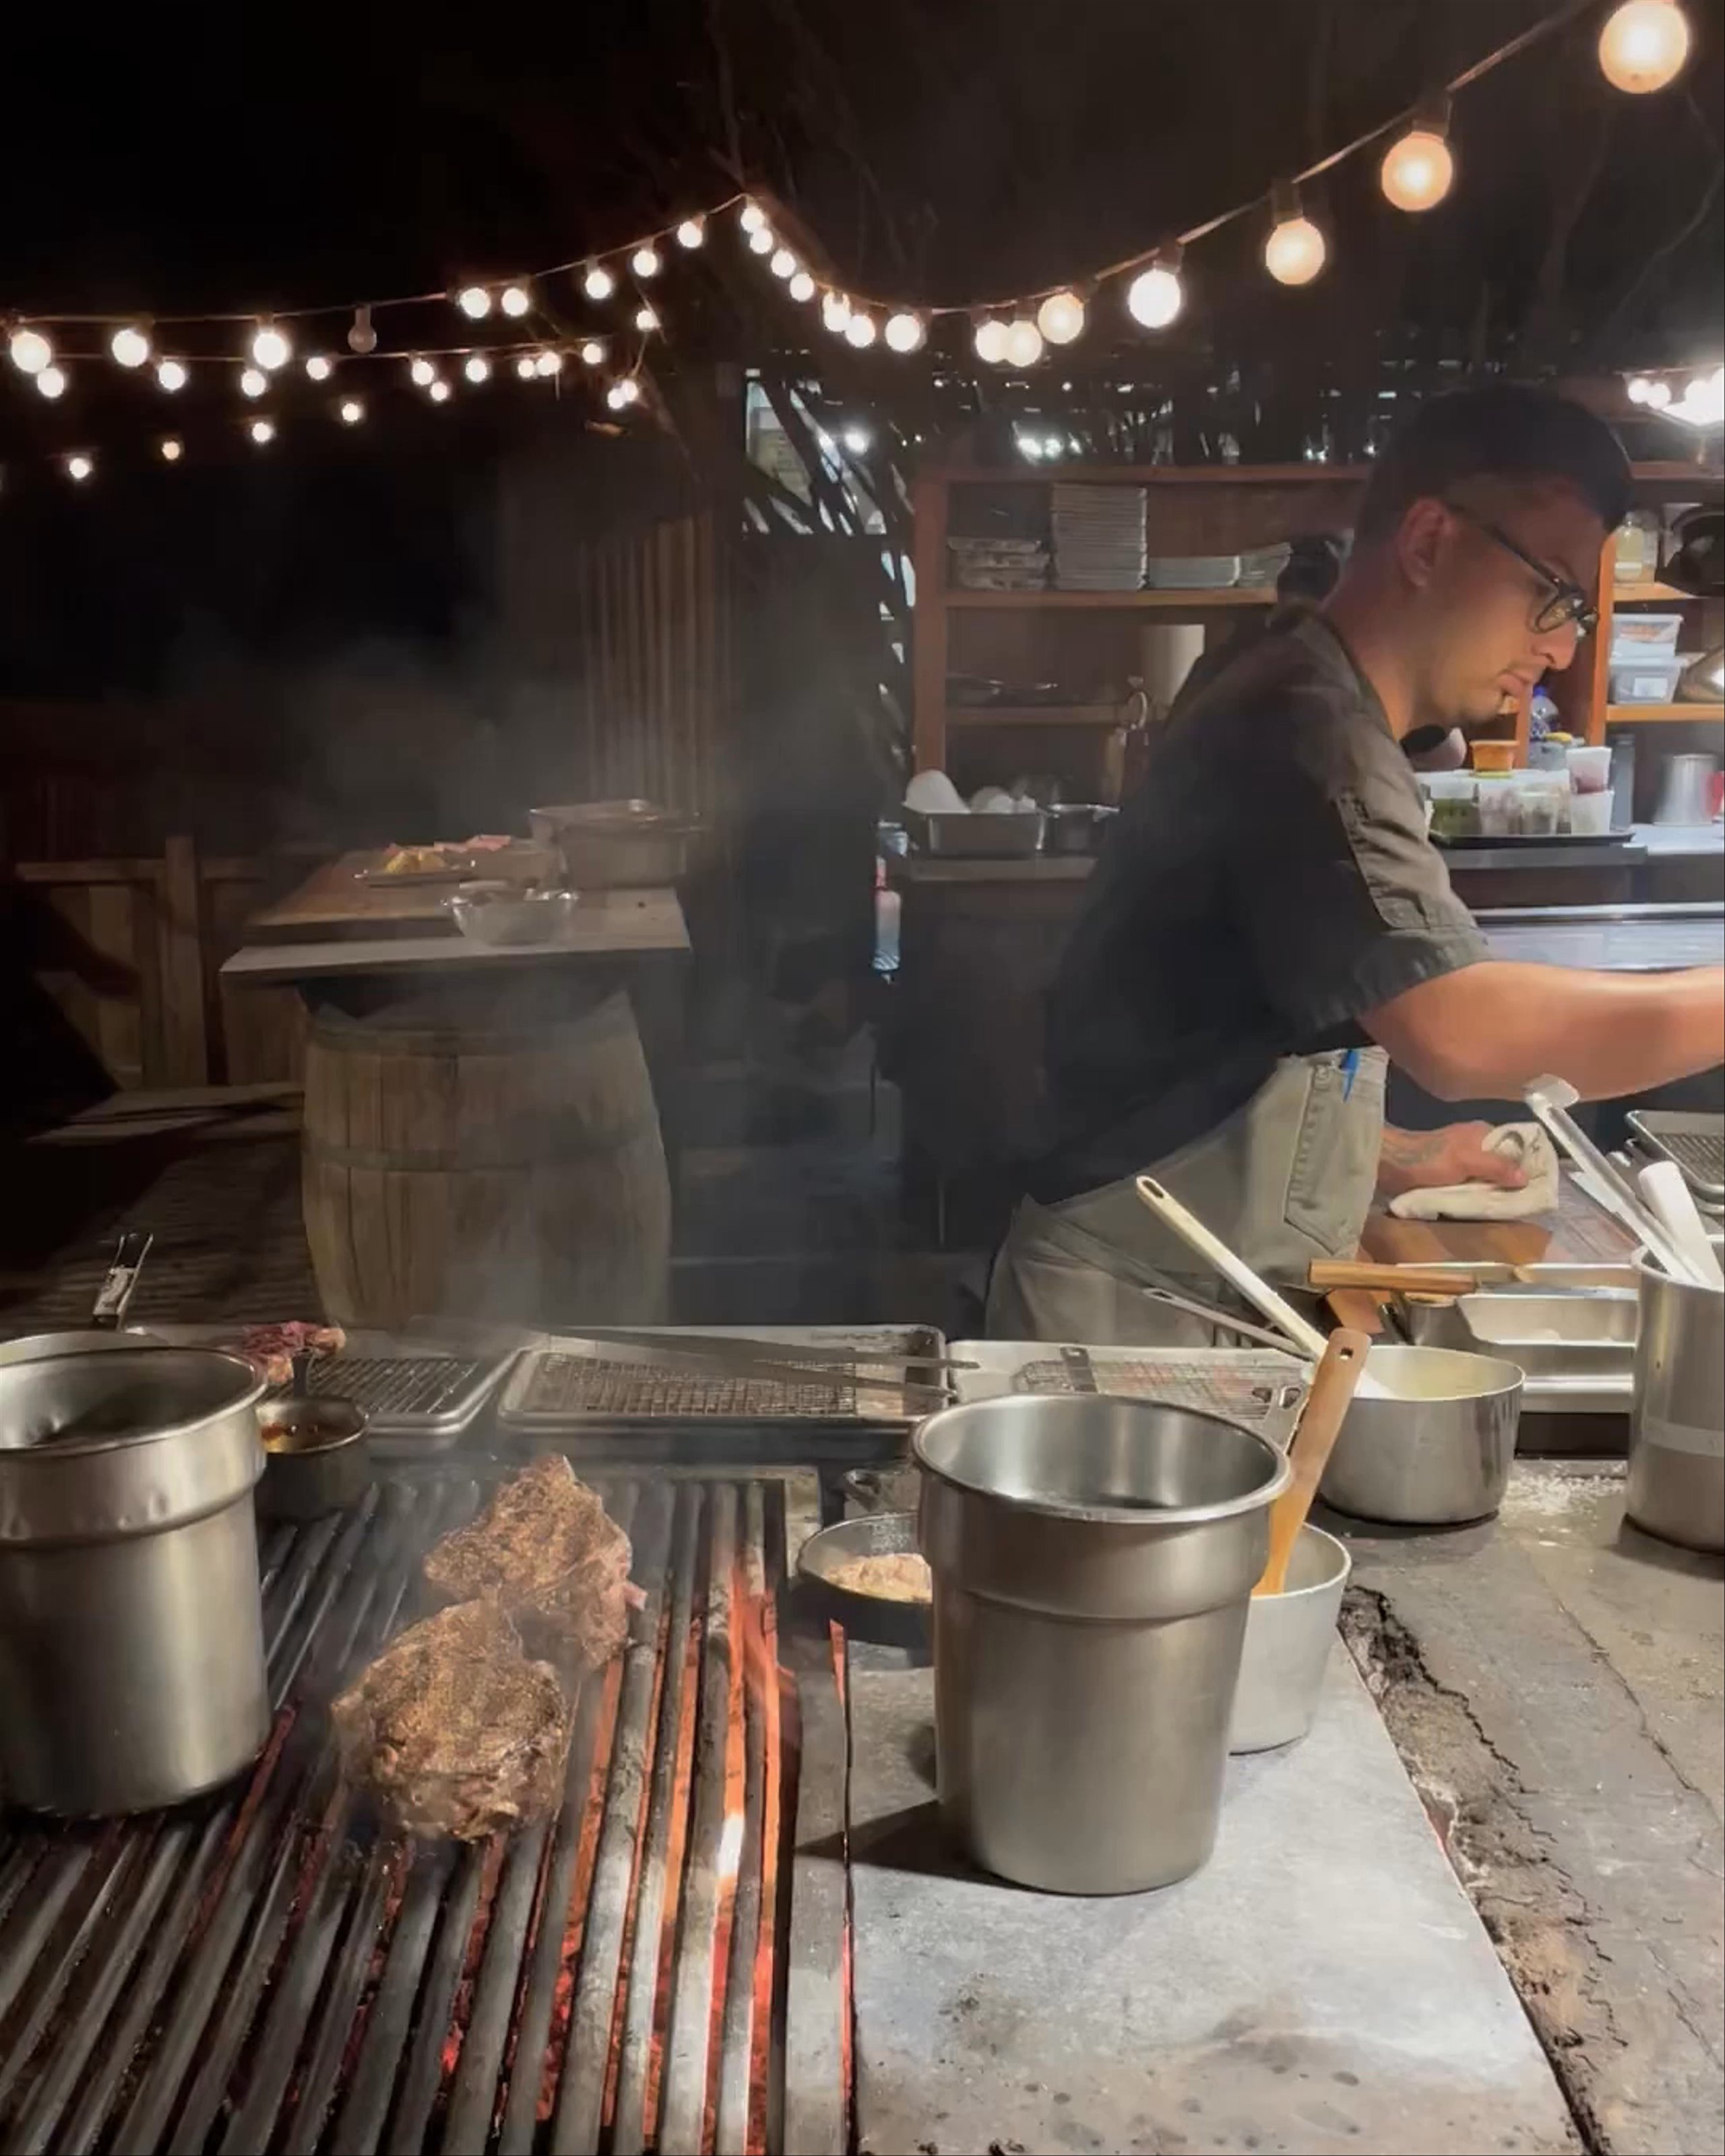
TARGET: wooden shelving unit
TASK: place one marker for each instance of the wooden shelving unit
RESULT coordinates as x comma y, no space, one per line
1169,600
1664,714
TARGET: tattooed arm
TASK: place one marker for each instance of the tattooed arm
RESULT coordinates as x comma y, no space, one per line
1430,1160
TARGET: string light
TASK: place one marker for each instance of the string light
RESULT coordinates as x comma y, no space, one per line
784,265
623,393
752,217
548,363
79,465
526,367
262,431
171,449
51,382
904,330
1024,342
319,367
1644,45
691,232
597,282
645,260
1659,395
31,351
761,240
362,338
438,390
1295,251
271,347
859,330
835,312
989,341
515,299
1419,171
1156,295
130,346
421,373
801,286
171,374
254,382
477,367
593,352
349,410
646,320
1638,389
475,301
1060,317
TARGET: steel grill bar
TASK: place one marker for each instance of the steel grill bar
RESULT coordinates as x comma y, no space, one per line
50,1985
634,2053
736,2030
359,2126
341,2003
43,1911
581,2093
683,2099
431,2025
474,2098
532,2030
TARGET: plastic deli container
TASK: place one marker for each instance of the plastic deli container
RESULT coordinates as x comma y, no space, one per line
1645,680
1453,797
1638,635
1494,756
1589,769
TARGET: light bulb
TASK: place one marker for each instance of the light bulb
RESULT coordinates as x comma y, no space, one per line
856,440
691,232
31,352
1659,395
362,338
835,312
475,301
254,382
598,283
761,241
859,330
614,396
51,381
1639,389
990,340
319,367
1417,172
801,286
548,363
645,319
1060,317
171,374
421,373
1024,343
477,367
904,330
438,390
515,299
1155,296
171,449
130,347
349,410
593,353
644,261
526,367
270,348
752,217
784,265
1295,251
78,466
1643,45
623,393
262,431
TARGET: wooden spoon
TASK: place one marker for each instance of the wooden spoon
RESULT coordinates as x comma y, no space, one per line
1327,1404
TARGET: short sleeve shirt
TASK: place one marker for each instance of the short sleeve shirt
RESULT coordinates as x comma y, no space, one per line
1270,881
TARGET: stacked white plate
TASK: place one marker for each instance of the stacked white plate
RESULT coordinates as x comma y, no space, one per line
1099,538
998,565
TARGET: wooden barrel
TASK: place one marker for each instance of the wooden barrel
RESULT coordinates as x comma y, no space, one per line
511,1171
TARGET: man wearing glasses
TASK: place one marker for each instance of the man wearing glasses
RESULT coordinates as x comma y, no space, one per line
1269,923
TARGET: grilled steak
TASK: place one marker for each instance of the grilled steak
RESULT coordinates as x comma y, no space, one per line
546,1552
454,1728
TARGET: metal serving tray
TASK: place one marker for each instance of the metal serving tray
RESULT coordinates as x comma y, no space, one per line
1576,1350
619,1399
1693,1139
1257,1386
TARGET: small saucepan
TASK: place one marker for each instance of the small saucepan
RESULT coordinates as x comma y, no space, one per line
316,1457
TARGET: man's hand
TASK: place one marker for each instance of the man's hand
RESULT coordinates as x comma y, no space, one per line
1432,1160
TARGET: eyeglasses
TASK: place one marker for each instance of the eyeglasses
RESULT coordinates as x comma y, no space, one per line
1566,603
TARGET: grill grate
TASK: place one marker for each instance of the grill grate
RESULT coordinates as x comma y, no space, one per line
395,1384
595,1385
1700,1156
270,1971
1240,1393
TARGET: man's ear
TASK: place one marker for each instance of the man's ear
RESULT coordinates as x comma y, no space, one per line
1421,538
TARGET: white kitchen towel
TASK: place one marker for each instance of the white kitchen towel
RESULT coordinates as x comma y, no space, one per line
1533,1153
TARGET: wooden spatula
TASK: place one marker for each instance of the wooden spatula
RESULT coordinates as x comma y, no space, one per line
1327,1404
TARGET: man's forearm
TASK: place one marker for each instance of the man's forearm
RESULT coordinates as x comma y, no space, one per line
1406,1158
1487,1031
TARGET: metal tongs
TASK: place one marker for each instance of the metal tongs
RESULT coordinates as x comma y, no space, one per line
783,1361
1550,1099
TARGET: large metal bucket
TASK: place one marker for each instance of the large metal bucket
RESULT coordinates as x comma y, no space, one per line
1676,1455
1093,1557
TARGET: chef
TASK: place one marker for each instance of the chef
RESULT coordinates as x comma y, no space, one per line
1269,923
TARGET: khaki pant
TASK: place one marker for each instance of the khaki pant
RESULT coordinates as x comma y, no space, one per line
1287,1178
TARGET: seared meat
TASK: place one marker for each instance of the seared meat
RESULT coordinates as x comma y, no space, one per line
454,1728
545,1550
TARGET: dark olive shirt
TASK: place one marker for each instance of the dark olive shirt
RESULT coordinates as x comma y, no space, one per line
1269,883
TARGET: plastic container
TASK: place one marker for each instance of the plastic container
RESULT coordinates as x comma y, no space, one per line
1639,635
1500,805
1649,680
1590,815
1494,754
1543,803
1589,769
1453,798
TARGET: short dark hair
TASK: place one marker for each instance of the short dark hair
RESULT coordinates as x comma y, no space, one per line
1508,430
1312,568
